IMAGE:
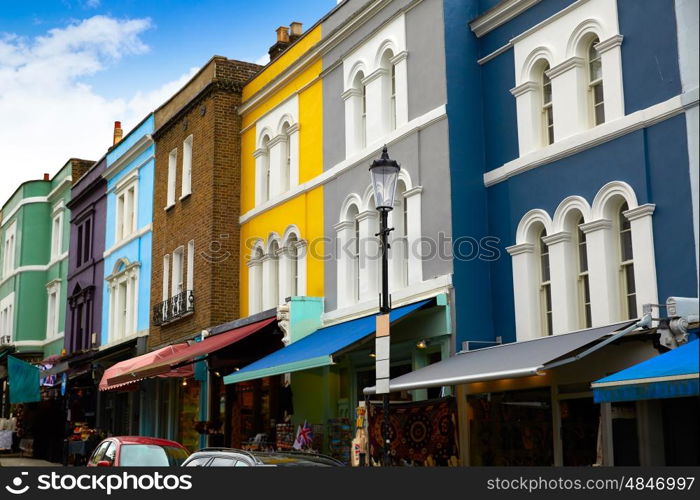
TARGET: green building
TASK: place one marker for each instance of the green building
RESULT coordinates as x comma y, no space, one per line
34,234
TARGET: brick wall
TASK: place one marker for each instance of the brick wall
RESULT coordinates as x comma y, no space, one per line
209,216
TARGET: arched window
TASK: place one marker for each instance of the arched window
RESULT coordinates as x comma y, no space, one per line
356,256
399,245
272,279
584,290
293,265
265,169
547,109
545,285
595,83
363,121
255,281
388,110
286,170
393,96
627,284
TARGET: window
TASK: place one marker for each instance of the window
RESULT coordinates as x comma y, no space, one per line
126,212
123,300
545,286
166,276
52,310
265,169
393,97
356,258
7,315
57,236
190,265
84,247
547,109
80,309
178,271
398,243
293,256
363,123
272,280
9,249
629,295
286,170
595,83
584,291
172,174
255,286
187,167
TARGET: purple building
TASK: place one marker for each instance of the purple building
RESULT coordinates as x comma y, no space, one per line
86,263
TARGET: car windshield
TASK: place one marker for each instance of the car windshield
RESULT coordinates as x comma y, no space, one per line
289,461
150,455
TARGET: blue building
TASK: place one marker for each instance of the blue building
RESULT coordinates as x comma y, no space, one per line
573,151
127,260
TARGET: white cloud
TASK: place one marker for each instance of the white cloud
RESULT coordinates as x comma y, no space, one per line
262,60
93,3
48,114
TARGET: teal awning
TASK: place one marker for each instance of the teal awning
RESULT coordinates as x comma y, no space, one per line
316,349
24,381
670,375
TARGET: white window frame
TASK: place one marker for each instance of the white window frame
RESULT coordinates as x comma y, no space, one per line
190,265
123,309
178,271
166,277
548,136
172,178
255,281
187,167
594,83
545,287
7,319
9,249
53,290
57,232
625,263
126,207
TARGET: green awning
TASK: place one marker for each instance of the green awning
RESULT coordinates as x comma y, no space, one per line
24,381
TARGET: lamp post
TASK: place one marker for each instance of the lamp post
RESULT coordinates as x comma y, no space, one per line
384,173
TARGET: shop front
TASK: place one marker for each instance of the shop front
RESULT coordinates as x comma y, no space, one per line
530,403
179,386
318,378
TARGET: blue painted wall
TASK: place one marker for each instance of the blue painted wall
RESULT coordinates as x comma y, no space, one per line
469,218
138,249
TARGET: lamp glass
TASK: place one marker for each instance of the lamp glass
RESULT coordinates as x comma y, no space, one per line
385,175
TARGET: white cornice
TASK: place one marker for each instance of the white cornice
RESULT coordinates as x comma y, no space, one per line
494,54
549,20
370,151
523,88
610,43
38,343
138,234
26,201
499,15
563,67
65,182
560,237
32,269
136,149
596,225
645,210
589,139
521,248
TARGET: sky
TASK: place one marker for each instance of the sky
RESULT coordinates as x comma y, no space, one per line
70,68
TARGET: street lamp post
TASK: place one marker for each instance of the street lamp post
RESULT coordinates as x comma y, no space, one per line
385,174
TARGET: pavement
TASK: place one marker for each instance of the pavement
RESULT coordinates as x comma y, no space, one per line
17,461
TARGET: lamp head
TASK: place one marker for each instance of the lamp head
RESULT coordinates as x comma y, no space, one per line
384,173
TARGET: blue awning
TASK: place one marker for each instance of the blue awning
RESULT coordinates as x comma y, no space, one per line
316,349
671,375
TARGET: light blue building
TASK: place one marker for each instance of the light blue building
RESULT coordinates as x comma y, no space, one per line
128,240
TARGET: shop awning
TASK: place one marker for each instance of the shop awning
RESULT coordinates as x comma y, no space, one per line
166,365
316,349
518,359
670,375
131,365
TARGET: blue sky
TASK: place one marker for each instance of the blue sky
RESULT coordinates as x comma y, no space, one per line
75,66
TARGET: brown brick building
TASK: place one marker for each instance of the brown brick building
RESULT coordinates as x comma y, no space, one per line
194,283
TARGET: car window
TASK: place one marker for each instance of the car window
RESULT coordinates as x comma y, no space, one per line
197,462
99,453
151,455
241,463
222,462
110,453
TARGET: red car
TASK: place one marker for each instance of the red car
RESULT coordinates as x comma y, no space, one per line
136,451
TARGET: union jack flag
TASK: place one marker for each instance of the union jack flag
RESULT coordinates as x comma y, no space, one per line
304,436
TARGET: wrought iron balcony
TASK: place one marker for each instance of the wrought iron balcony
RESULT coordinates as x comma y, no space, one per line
174,308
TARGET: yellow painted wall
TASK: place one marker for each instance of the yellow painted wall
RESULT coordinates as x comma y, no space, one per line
306,210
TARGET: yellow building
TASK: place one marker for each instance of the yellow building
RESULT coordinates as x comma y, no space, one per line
282,148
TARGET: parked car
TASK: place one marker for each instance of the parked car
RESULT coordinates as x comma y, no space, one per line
231,457
136,451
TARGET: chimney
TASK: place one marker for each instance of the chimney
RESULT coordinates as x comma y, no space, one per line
295,28
118,133
281,44
47,177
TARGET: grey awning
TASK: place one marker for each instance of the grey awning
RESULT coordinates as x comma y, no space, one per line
518,359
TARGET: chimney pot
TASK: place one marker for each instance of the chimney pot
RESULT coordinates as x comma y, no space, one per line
118,133
296,28
283,34
47,177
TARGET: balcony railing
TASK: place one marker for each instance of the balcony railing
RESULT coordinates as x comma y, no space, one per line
174,308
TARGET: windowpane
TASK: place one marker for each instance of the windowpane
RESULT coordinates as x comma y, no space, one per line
86,242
